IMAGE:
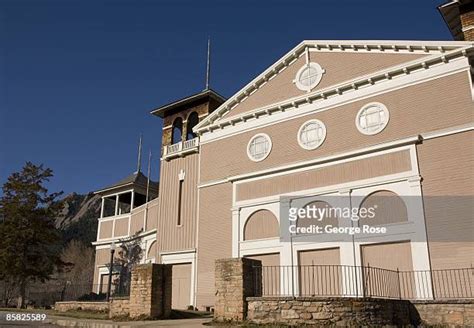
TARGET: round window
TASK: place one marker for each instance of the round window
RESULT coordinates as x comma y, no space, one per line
308,76
259,147
372,118
311,134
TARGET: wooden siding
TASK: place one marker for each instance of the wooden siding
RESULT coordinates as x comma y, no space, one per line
413,110
102,256
355,170
153,210
173,237
106,229
137,221
391,256
388,256
446,165
181,286
339,67
121,227
318,272
215,241
261,224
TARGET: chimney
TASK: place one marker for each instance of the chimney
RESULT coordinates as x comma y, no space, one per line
459,16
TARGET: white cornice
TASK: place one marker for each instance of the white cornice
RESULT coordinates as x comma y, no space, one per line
293,109
440,52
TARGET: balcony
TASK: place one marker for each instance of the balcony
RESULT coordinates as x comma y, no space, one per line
181,149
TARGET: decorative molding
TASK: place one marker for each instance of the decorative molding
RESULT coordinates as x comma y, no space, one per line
458,49
108,241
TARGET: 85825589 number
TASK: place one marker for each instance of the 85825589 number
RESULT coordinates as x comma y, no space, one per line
25,317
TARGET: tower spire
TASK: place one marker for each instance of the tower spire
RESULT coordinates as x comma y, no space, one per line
139,161
208,70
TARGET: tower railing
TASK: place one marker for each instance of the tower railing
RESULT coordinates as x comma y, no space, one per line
181,148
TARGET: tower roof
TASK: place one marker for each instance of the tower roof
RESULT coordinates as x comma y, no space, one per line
208,93
136,179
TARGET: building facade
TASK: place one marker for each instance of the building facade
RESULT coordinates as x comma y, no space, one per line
331,124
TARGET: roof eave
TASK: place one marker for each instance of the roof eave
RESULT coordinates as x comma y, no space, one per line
160,111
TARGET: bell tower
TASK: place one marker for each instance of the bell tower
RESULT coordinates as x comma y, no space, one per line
179,119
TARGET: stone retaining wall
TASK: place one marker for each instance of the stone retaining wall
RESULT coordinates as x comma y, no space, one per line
84,306
119,307
344,312
455,313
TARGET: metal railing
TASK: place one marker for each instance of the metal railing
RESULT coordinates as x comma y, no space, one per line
362,281
45,295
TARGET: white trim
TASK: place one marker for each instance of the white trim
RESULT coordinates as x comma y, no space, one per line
102,270
104,243
268,139
381,127
183,257
321,141
448,131
182,251
306,105
212,183
425,62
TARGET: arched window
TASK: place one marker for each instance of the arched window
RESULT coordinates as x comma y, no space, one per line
177,130
315,209
386,208
193,120
261,224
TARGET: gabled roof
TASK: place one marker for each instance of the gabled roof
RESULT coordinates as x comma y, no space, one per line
133,180
429,48
160,111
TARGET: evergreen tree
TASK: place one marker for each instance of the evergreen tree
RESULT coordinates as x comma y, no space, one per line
30,245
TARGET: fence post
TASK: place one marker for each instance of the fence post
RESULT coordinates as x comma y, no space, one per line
356,281
366,278
399,286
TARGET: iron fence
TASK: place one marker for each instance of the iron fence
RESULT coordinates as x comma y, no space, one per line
362,281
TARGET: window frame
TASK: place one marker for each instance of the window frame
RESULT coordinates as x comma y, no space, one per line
270,145
300,142
382,126
308,88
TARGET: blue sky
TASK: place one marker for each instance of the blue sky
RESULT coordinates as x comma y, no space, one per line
78,78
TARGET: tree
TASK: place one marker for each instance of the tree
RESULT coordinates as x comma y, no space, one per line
30,246
81,258
129,254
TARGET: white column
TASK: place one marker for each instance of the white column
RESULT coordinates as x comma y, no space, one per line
419,246
352,276
102,208
288,259
235,231
116,204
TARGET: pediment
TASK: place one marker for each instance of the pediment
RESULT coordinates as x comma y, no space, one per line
335,63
